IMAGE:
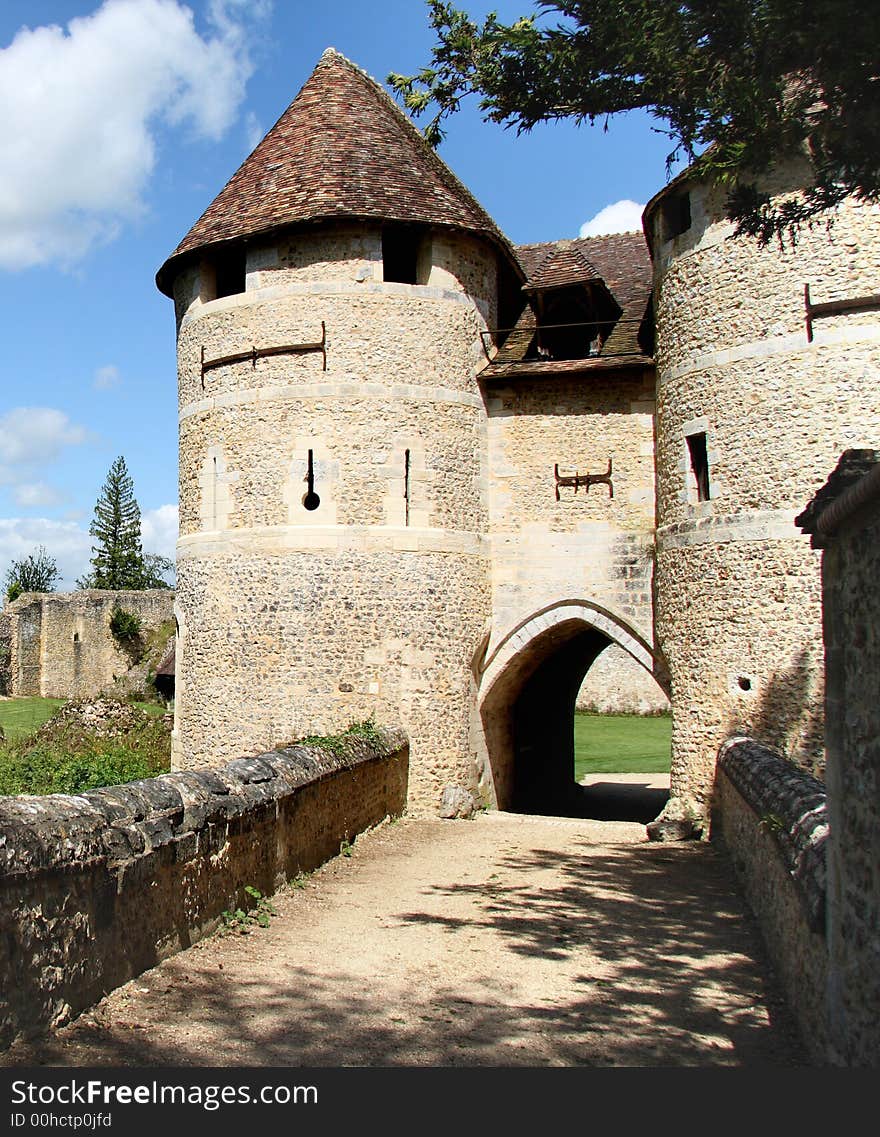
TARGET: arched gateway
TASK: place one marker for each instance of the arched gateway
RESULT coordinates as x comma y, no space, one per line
528,687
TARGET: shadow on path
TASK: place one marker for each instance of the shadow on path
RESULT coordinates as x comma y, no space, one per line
551,949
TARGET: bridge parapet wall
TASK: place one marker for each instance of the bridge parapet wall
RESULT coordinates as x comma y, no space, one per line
774,825
97,888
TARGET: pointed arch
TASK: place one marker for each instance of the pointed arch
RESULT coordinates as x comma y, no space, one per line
528,685
549,624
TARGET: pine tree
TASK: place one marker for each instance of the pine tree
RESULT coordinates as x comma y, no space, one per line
118,558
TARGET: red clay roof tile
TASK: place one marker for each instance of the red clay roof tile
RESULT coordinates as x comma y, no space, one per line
342,149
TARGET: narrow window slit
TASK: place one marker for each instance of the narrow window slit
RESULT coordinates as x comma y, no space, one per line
406,486
214,496
699,458
311,500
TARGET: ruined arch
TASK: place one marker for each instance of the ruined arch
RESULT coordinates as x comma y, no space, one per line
528,687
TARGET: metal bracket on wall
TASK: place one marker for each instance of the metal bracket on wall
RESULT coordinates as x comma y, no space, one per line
261,352
835,308
585,480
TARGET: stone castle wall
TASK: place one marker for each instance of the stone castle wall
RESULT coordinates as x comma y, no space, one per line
738,592
589,544
97,888
848,530
617,685
295,620
61,645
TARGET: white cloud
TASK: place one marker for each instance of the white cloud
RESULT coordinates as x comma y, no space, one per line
621,217
107,377
70,543
81,107
31,495
159,530
32,436
253,130
67,542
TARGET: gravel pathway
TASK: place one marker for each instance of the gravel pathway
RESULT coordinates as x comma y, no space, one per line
503,941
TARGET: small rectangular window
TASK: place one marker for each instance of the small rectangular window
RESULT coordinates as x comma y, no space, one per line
230,272
676,215
699,458
400,254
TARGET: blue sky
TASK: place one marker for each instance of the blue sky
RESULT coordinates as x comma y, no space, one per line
121,121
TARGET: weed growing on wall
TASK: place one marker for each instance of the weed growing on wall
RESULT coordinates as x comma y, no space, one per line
125,627
339,744
256,915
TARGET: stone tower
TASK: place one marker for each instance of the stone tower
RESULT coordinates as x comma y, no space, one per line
333,490
757,396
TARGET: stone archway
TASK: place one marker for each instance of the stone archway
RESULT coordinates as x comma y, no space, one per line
528,689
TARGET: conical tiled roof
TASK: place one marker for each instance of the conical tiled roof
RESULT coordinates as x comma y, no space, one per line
342,149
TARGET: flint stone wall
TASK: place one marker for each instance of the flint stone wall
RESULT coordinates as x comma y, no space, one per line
844,519
738,594
367,595
97,888
61,645
774,825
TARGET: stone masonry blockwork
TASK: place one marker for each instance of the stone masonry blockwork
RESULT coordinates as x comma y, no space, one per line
61,645
97,888
738,597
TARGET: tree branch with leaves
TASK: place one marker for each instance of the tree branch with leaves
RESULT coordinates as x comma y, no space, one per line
37,572
740,87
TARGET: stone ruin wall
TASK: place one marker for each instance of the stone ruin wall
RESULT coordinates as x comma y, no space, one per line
296,621
738,589
588,545
60,643
617,685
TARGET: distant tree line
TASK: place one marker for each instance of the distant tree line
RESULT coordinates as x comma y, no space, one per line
118,559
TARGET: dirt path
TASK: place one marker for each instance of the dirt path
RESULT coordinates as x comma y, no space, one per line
503,941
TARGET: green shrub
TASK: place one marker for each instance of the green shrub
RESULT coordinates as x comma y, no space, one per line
125,626
73,762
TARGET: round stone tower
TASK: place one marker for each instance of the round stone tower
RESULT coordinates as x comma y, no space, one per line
331,562
758,393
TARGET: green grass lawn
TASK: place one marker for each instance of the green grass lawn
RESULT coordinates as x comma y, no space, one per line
20,717
621,744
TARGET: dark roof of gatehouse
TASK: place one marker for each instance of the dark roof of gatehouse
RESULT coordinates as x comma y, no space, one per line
564,264
621,261
343,149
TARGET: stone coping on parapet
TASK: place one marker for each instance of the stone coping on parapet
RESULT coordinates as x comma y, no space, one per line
791,805
787,345
51,832
349,388
266,540
854,484
96,888
270,293
754,525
